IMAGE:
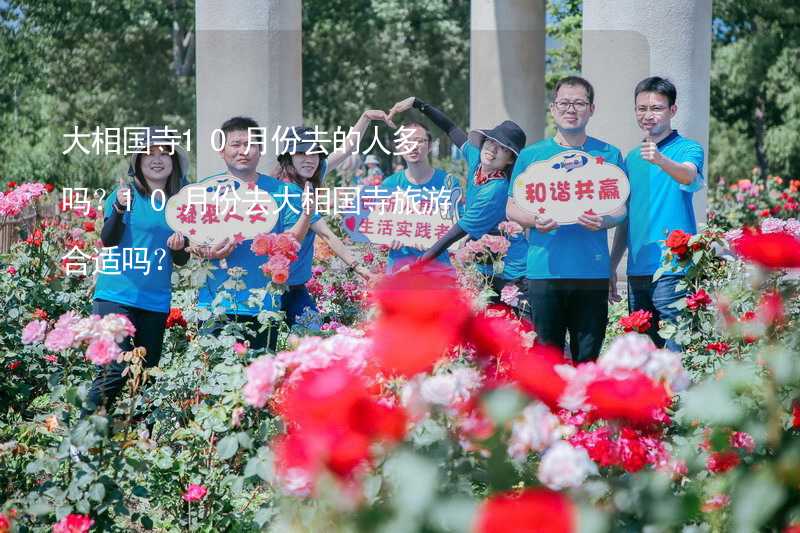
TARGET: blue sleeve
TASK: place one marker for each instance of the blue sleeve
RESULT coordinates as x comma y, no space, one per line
486,210
693,153
108,208
472,154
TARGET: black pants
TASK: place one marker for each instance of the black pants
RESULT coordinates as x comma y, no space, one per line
498,284
258,340
577,306
150,327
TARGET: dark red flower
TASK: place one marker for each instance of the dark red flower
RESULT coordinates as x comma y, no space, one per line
678,243
175,318
796,414
638,321
698,300
49,187
530,511
770,310
634,397
720,347
88,226
13,365
770,250
40,314
719,462
632,451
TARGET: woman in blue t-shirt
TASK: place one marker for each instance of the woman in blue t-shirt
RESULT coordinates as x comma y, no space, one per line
304,164
490,156
135,269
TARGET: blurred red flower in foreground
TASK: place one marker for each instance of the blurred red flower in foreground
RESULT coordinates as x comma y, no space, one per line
529,511
770,250
634,397
333,419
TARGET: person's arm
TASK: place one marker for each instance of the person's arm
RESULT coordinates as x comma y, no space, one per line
442,121
113,227
321,228
454,234
683,173
335,158
516,214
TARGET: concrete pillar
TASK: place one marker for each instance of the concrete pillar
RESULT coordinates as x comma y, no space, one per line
625,41
249,62
507,53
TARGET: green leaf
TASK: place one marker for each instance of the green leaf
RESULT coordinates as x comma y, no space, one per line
414,480
503,405
227,447
710,402
755,499
97,492
244,440
146,522
140,491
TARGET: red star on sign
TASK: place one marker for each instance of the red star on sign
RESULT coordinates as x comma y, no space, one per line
238,238
590,212
192,231
542,210
599,160
251,185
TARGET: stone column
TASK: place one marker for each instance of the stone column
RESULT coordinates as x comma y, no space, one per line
507,64
625,41
249,63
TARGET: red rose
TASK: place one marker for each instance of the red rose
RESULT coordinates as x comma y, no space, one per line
40,314
529,511
13,365
720,462
534,371
720,347
175,318
88,226
638,321
796,415
678,243
770,250
11,185
634,397
49,187
698,300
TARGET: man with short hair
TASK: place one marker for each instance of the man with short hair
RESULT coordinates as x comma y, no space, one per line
241,159
665,171
568,266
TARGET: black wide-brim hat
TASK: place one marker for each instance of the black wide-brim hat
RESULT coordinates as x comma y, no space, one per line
508,134
305,141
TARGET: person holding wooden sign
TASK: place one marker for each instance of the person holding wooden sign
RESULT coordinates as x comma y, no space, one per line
570,188
490,156
665,171
306,164
133,223
230,255
418,182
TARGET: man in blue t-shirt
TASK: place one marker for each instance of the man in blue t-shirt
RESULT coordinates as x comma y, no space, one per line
568,266
241,159
665,171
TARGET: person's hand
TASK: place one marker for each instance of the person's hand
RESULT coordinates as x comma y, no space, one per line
613,293
650,151
590,221
223,248
545,225
365,273
123,196
401,106
176,242
377,114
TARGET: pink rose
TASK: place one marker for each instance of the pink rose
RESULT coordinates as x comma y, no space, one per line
261,375
194,492
102,351
59,339
34,332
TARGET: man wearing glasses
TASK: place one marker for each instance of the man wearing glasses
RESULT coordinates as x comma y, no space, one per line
665,171
568,267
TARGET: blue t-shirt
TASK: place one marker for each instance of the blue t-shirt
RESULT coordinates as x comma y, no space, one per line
570,251
124,278
408,254
242,256
658,204
485,209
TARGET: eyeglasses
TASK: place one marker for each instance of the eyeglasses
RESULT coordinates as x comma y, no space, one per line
564,105
654,109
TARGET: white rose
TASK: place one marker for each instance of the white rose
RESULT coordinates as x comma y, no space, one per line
439,390
536,430
564,466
